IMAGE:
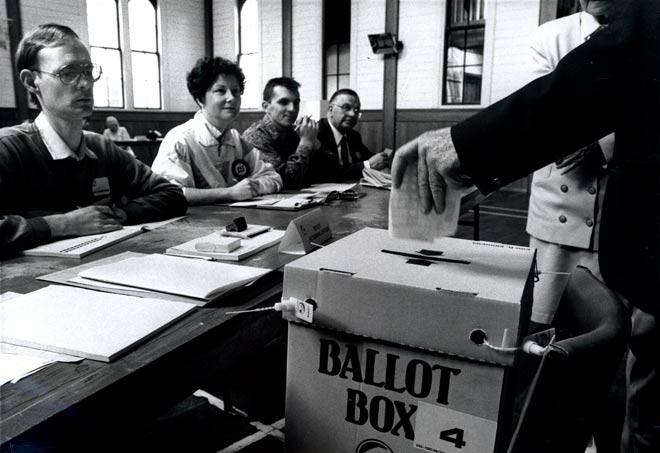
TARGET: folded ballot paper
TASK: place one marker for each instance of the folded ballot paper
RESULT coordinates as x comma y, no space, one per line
407,219
376,178
198,279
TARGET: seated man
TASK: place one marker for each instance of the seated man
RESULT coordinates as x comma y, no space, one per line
206,155
116,133
57,180
337,137
287,144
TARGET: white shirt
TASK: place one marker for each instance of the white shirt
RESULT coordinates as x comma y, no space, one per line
338,137
57,148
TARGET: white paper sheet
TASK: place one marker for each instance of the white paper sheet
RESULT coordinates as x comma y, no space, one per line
406,216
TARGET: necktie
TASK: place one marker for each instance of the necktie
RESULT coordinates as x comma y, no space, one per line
344,151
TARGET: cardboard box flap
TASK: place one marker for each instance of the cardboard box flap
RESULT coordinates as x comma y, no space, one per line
484,269
361,290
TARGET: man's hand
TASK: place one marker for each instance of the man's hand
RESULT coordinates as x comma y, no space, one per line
379,161
87,220
244,190
590,156
307,129
438,167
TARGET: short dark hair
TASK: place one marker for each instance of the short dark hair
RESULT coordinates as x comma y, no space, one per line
206,72
286,82
45,35
341,91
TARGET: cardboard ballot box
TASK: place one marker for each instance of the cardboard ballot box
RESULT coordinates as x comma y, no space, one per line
388,363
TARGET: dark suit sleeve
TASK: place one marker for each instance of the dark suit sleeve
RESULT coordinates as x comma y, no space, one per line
552,116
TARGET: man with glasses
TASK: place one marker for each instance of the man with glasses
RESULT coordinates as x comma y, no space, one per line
56,180
339,140
285,141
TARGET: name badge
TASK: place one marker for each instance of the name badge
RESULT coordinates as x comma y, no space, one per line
240,169
101,187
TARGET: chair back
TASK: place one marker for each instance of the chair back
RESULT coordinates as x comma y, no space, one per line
573,379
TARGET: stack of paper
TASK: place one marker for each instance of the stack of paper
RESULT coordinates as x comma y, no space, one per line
376,178
286,202
81,246
248,247
187,277
84,323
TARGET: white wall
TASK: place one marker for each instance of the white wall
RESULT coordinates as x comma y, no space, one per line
367,17
271,40
7,99
515,22
421,29
224,29
183,42
307,49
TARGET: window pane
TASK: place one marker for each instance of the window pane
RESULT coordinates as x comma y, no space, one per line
344,58
102,23
142,25
331,60
455,53
454,86
250,64
108,91
344,82
330,85
146,80
249,27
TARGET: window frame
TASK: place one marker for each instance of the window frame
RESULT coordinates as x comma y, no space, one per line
126,57
121,60
158,60
469,25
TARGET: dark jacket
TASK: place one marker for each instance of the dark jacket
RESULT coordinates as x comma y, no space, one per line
331,171
609,84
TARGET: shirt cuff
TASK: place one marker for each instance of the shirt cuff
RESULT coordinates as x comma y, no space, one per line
366,165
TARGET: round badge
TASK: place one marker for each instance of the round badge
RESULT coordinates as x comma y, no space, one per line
240,169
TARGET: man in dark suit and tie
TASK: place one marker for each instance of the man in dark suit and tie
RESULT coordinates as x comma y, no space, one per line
343,150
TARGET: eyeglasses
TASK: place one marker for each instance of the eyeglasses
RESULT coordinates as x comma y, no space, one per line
70,74
350,108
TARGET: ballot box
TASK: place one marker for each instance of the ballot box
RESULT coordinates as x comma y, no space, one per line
411,346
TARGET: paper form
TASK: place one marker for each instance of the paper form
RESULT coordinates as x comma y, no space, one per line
407,219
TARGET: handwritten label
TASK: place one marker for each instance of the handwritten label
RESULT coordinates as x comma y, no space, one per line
305,232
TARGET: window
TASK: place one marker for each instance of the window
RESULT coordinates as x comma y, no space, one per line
103,22
336,45
248,52
464,51
111,38
145,59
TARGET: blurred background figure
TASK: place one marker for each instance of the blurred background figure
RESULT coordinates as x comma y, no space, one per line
116,133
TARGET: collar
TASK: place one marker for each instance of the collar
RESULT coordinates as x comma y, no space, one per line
206,133
338,135
588,25
57,148
274,130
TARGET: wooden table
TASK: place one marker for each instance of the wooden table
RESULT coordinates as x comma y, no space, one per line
92,404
